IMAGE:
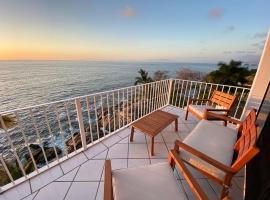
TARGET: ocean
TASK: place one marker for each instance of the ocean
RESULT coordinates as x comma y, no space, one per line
27,83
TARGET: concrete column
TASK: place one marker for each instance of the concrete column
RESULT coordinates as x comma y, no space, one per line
261,79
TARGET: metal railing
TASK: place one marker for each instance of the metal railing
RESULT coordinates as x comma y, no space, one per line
182,90
44,135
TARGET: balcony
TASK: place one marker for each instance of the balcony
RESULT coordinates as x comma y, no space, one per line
61,146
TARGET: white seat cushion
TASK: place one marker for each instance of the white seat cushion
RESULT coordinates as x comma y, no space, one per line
214,140
200,109
151,182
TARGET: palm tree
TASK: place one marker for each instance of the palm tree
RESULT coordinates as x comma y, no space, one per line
8,121
232,73
143,78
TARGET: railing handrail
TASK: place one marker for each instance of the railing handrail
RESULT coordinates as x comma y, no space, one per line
109,91
240,87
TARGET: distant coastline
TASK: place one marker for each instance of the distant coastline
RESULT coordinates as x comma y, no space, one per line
26,83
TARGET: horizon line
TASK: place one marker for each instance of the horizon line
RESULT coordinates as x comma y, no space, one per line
143,60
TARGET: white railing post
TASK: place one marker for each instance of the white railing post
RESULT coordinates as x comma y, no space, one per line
80,120
169,91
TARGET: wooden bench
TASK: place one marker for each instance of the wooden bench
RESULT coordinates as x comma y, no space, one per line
219,102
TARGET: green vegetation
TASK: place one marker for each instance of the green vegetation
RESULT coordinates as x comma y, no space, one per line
8,121
161,75
143,78
188,74
14,170
233,73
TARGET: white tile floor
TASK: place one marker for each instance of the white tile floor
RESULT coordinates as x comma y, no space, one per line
81,177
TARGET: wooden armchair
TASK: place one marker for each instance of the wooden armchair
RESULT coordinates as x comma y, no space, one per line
151,182
215,151
219,102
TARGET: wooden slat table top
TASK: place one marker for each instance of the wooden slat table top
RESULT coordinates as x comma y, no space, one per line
155,122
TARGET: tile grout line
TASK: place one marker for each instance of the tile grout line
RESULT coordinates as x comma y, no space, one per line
80,164
206,179
183,189
212,187
71,182
31,190
61,169
48,183
101,175
102,142
36,194
86,155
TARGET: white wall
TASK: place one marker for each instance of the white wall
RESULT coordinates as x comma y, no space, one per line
261,79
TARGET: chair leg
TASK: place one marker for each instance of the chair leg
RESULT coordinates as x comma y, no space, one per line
225,188
224,193
176,125
186,114
131,134
171,161
152,146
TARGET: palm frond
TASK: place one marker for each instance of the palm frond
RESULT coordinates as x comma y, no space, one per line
9,121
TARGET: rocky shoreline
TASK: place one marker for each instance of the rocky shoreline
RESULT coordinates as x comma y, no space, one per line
112,119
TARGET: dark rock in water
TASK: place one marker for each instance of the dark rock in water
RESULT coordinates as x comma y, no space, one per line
107,121
28,162
77,141
39,155
76,137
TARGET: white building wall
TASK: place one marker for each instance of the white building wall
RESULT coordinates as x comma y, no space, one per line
261,79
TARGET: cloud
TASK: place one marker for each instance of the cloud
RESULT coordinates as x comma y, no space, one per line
216,13
260,35
246,52
249,58
128,11
230,28
259,45
227,52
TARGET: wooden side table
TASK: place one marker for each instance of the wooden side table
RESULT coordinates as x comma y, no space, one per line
153,124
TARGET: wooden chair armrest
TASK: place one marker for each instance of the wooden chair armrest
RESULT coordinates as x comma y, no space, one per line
194,186
215,163
217,110
108,191
198,100
225,118
209,110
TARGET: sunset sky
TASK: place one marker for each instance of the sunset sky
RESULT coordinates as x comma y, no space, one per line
186,31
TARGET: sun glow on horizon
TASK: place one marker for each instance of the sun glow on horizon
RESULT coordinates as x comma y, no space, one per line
82,30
